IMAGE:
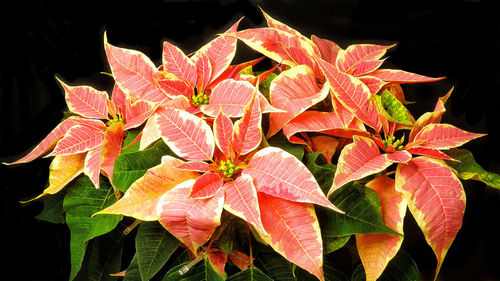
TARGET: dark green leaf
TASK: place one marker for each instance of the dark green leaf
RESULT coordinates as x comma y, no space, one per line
276,266
105,255
82,200
336,267
131,136
132,273
323,173
131,166
154,246
332,244
53,208
250,274
202,271
467,168
362,213
400,268
265,85
279,140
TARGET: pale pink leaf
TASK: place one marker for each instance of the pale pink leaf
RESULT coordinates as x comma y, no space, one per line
431,117
175,87
177,63
400,156
443,136
134,72
137,112
374,84
359,59
293,91
402,77
280,174
230,96
353,94
92,166
358,160
198,166
328,49
150,133
204,70
293,232
436,199
192,221
376,250
247,133
50,140
219,51
241,201
206,186
187,135
430,152
80,138
223,133
86,101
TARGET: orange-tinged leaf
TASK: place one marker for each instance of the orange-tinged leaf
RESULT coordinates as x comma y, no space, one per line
80,138
118,98
223,133
294,232
326,145
359,59
374,84
247,131
187,135
400,156
198,166
241,260
376,250
293,91
142,197
220,52
280,174
206,186
50,140
430,152
402,77
63,170
328,49
358,160
86,101
112,147
150,133
436,199
241,201
192,221
353,94
177,63
443,136
281,26
230,96
175,87
134,72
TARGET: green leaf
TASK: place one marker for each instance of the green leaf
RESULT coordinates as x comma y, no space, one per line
202,271
392,108
129,138
105,255
250,274
132,273
53,208
279,140
265,85
82,200
323,173
154,246
467,168
276,266
131,166
400,268
332,244
362,213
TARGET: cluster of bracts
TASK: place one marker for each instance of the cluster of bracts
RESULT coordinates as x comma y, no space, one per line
211,114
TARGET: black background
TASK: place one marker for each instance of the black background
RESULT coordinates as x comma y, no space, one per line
460,40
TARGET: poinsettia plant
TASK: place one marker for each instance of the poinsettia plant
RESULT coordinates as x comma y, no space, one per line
224,172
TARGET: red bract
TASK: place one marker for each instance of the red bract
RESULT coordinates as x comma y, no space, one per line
101,141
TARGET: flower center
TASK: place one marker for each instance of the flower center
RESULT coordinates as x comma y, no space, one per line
227,168
115,119
198,99
392,144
